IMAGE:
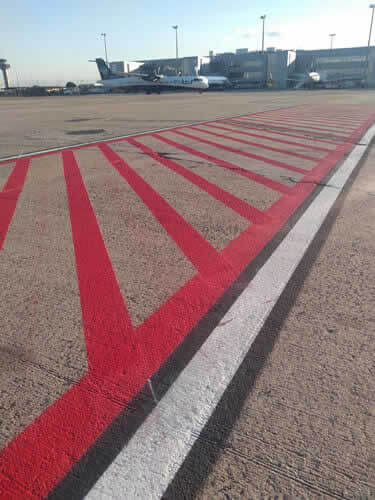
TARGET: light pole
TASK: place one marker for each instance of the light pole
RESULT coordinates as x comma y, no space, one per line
176,29
372,7
263,19
104,35
332,36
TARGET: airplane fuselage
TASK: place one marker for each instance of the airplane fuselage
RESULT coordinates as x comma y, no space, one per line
163,82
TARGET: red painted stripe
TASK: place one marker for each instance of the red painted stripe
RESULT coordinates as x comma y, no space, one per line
323,125
334,122
243,153
260,179
302,128
10,194
268,138
237,205
298,122
105,318
319,114
279,131
256,144
201,254
319,117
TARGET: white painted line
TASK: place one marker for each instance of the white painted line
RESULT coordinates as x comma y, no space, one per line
149,462
135,134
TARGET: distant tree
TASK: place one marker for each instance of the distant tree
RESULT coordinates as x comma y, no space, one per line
70,85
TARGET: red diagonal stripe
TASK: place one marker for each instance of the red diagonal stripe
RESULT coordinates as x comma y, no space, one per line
243,153
268,138
200,253
256,144
297,122
10,194
322,116
247,125
280,125
239,206
322,121
107,325
260,179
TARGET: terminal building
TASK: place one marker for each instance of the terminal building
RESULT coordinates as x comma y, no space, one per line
351,64
168,67
182,65
273,68
253,69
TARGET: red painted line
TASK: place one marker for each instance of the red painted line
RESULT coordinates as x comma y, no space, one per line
10,194
236,204
256,144
243,153
279,131
268,138
320,121
306,122
319,118
297,122
336,116
295,126
105,318
260,179
201,254
333,114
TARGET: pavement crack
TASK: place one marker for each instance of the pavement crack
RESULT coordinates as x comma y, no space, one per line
295,181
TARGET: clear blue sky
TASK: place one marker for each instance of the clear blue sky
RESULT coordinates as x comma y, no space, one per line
52,41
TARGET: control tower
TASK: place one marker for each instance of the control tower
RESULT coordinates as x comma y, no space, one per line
4,66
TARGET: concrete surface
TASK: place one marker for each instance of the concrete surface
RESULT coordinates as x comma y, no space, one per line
32,124
300,419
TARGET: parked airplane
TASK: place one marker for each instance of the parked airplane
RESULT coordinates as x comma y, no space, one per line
322,80
151,82
219,82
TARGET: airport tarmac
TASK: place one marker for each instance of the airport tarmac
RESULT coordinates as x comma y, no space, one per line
120,260
34,123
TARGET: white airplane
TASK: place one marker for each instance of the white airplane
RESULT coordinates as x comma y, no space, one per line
219,82
314,79
151,82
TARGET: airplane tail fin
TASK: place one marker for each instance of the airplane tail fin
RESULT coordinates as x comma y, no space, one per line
104,70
